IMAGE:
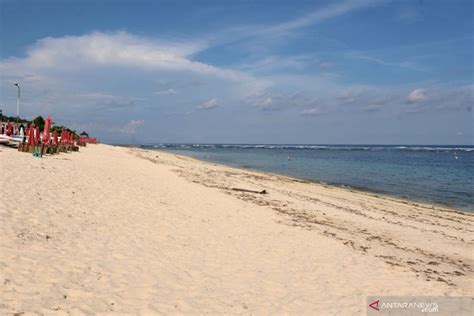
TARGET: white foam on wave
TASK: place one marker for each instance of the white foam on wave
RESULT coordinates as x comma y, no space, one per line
319,147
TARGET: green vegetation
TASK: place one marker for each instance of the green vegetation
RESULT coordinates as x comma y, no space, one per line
5,118
39,121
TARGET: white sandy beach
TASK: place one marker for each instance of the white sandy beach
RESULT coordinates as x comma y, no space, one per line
113,230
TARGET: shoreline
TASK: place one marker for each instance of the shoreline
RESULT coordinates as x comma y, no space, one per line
363,190
126,230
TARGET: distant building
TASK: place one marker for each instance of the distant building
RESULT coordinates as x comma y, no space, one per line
84,134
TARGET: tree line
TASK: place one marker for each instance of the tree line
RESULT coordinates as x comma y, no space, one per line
38,121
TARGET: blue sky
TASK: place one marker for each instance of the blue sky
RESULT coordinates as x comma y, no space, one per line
350,71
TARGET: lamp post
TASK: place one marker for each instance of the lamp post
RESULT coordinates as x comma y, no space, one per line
17,102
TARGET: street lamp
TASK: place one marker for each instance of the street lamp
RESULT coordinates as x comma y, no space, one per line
17,102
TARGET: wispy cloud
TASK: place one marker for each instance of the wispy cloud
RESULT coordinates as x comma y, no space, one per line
208,105
312,112
270,100
441,99
166,92
353,94
379,61
264,33
278,63
417,95
320,15
129,128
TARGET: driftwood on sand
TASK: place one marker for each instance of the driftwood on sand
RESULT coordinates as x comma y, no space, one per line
251,191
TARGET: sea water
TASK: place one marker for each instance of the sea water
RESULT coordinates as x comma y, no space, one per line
435,174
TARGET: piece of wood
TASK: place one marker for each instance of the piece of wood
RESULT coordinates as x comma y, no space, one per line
250,191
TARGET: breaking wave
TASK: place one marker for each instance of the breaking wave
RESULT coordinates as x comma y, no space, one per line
319,147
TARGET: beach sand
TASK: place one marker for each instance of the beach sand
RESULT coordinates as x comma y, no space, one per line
115,230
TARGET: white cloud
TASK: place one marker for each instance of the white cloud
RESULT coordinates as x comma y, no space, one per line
165,92
265,104
311,112
208,105
269,100
128,128
60,76
120,49
373,107
135,123
449,99
418,95
263,100
354,94
347,96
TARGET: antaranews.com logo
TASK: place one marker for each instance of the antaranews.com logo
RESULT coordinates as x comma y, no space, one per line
419,305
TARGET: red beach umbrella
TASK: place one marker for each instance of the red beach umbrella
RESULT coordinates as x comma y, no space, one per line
31,135
55,138
37,136
9,129
66,137
47,127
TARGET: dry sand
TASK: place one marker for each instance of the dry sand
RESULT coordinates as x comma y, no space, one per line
113,230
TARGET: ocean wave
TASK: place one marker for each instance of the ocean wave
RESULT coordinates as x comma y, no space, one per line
317,147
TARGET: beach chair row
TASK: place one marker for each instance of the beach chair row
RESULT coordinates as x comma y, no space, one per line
43,143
